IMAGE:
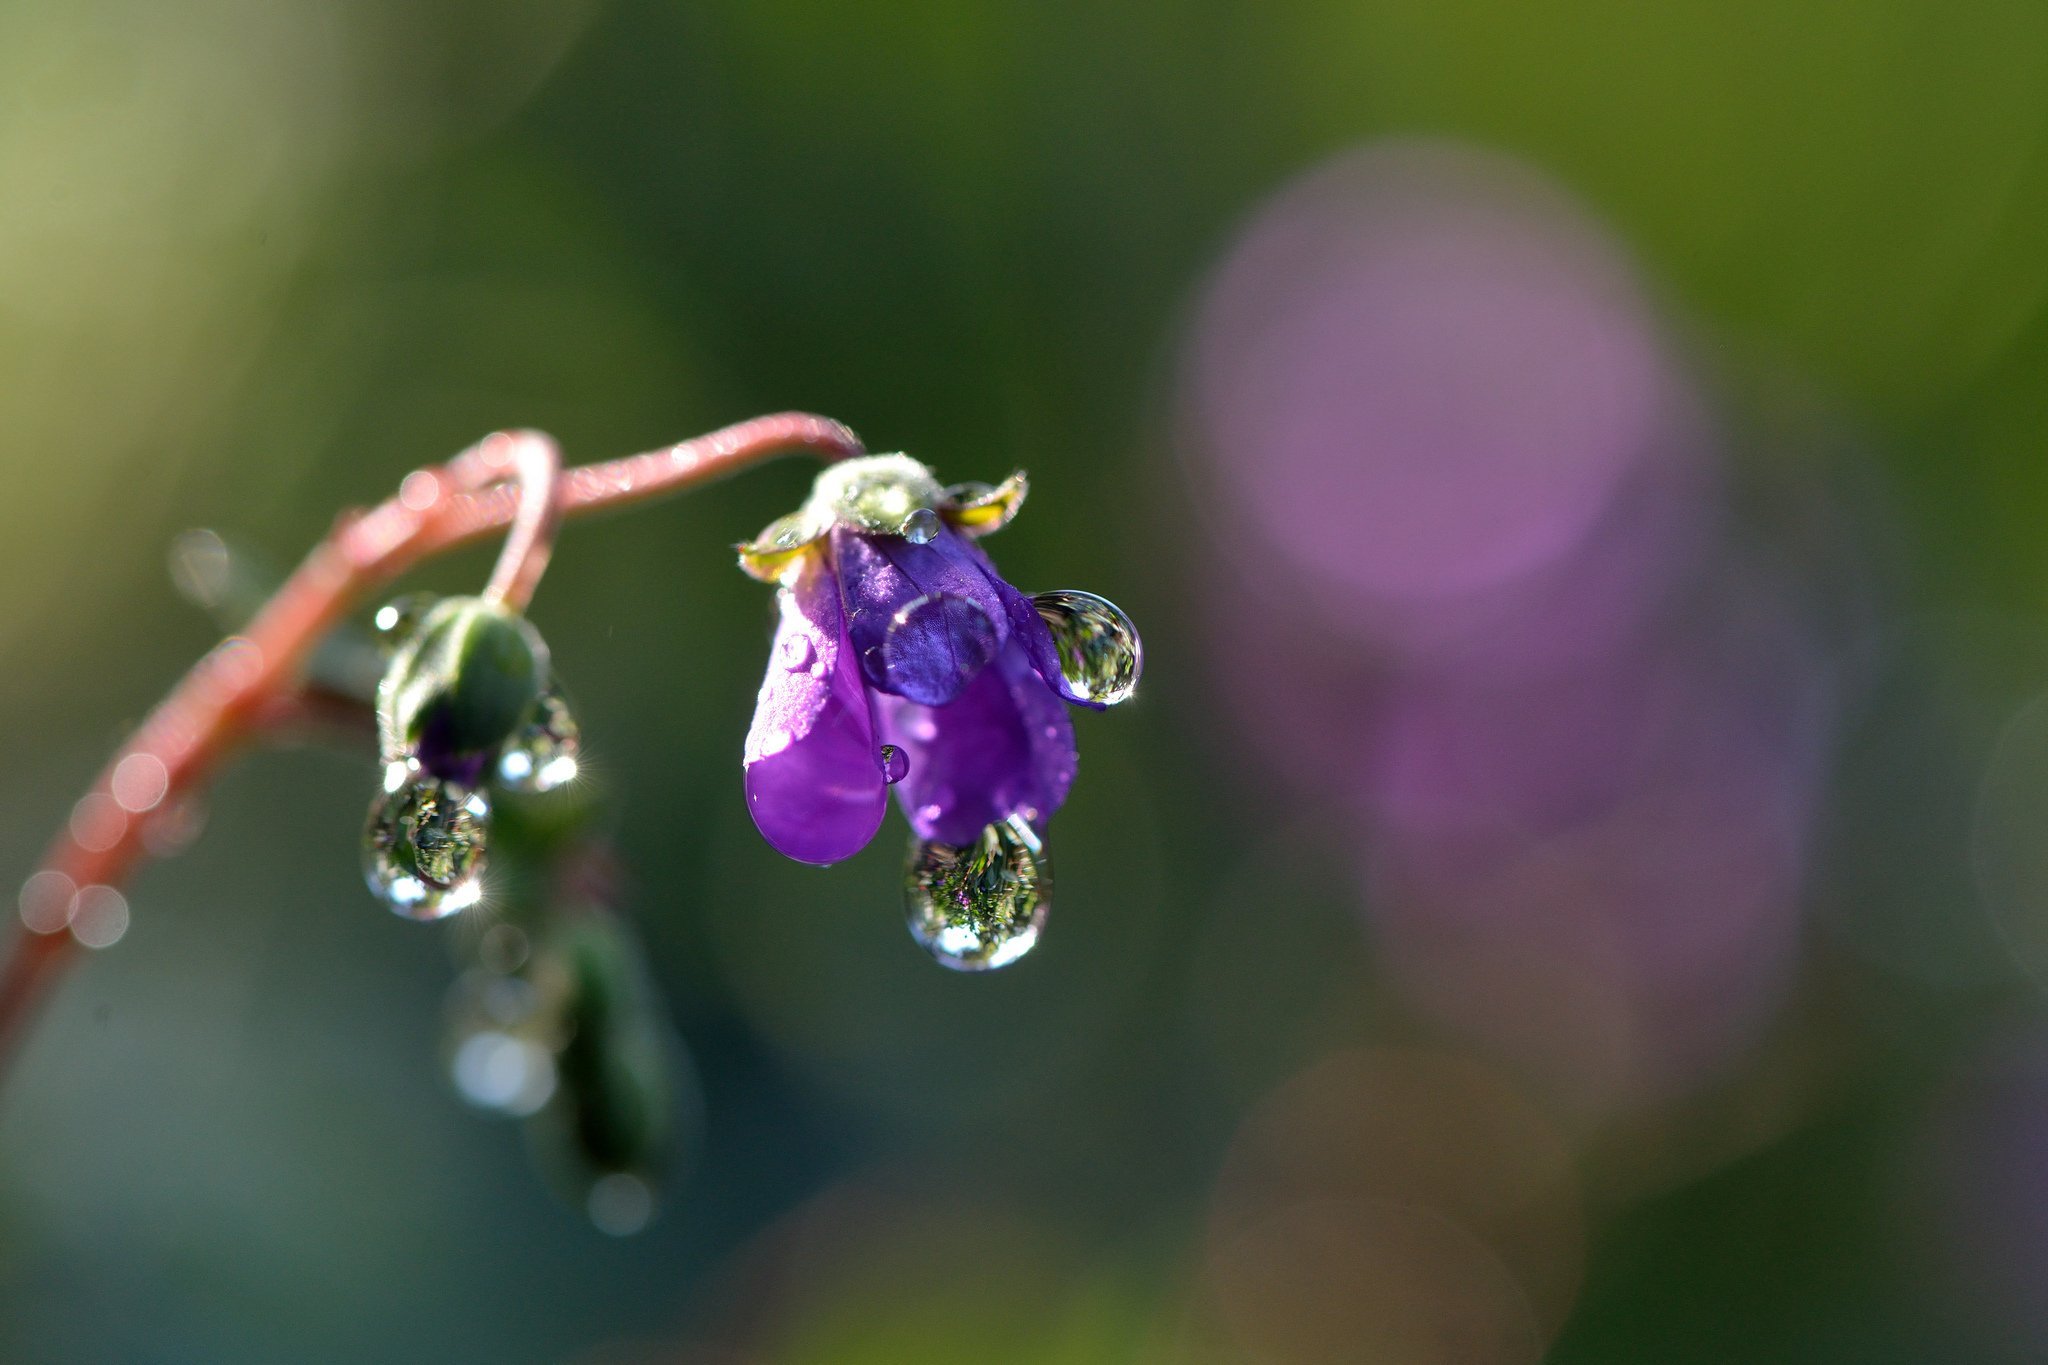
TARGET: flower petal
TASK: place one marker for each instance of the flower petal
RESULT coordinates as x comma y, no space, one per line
1003,747
923,619
814,784
935,646
1029,630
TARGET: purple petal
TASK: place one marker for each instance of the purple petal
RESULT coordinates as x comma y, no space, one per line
924,620
935,646
1003,747
1028,628
814,785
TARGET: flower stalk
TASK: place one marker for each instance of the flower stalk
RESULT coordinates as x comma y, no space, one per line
233,694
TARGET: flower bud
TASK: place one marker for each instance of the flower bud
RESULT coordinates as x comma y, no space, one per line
468,678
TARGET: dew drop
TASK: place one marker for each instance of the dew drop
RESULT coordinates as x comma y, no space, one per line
99,917
982,906
98,822
423,848
797,653
47,899
545,753
140,782
934,646
921,527
397,619
1100,653
895,764
971,491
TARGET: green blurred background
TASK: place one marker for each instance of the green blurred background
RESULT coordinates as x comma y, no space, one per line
258,261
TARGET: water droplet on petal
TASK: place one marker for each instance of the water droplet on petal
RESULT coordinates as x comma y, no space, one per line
934,647
423,849
979,907
1100,653
397,619
921,527
546,752
895,764
797,653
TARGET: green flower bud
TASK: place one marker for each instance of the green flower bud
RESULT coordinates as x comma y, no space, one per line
468,677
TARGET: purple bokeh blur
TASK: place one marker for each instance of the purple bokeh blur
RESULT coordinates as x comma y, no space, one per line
1483,604
1986,1154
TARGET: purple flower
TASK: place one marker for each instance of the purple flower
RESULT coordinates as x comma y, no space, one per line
903,657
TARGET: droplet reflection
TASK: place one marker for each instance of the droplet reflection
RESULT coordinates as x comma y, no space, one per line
423,849
982,906
1100,653
895,764
545,754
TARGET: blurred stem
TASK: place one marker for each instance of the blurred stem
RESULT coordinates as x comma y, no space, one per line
507,479
535,463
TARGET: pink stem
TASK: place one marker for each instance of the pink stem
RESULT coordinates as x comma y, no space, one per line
227,695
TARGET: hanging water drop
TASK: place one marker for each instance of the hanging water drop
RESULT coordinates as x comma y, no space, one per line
397,619
1100,653
545,752
921,527
979,907
423,848
895,764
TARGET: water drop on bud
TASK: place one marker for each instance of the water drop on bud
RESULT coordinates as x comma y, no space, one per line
460,686
423,848
543,754
1100,653
397,619
921,527
979,907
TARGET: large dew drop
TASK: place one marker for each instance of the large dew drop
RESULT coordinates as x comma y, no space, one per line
423,849
979,907
545,753
1100,653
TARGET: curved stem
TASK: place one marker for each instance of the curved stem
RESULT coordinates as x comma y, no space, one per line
534,463
226,696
